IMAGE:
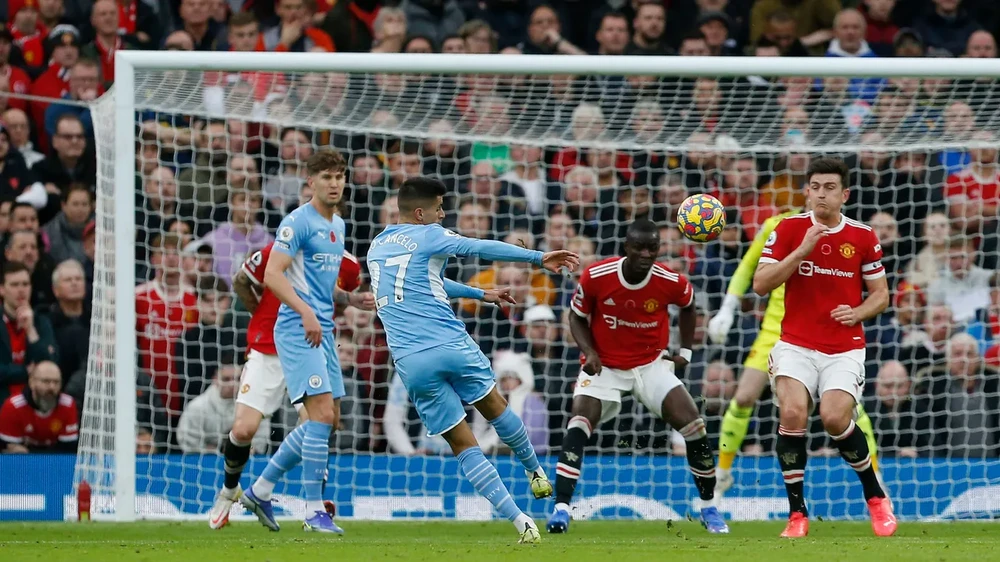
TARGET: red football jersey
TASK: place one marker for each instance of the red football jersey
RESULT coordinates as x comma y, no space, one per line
160,324
976,188
833,274
630,323
260,332
23,425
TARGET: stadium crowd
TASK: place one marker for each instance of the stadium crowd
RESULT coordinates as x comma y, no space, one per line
209,192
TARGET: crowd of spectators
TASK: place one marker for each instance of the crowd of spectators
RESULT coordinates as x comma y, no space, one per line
548,162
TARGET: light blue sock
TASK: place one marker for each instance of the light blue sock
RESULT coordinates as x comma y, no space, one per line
485,478
511,431
284,459
315,455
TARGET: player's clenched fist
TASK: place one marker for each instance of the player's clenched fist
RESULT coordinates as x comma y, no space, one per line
554,261
592,366
811,238
846,315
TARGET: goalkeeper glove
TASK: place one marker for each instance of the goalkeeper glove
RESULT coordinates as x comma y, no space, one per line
719,326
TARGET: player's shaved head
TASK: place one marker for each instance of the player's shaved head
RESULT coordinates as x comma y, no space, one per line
642,230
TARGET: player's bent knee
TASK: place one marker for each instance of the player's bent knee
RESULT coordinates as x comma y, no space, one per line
244,429
836,419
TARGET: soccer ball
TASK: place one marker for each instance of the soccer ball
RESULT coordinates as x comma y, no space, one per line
701,218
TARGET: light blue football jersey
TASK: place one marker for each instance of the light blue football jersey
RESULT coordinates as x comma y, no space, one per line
316,246
406,263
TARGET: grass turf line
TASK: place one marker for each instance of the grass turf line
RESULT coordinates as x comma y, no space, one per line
598,541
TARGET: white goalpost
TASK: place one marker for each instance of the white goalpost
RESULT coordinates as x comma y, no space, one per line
642,479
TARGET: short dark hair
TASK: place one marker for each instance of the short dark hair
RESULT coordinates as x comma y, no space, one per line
73,188
614,16
210,284
961,242
12,267
642,227
239,19
694,35
22,205
416,192
326,159
827,165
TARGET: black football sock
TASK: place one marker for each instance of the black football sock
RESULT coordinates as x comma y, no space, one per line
854,449
236,455
791,450
701,459
578,432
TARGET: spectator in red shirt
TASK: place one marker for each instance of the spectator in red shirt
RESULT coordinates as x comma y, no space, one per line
17,79
28,338
28,31
880,31
107,40
64,46
974,193
40,419
84,86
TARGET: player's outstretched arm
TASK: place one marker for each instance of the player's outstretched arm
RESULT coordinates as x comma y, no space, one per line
772,274
274,279
456,290
243,287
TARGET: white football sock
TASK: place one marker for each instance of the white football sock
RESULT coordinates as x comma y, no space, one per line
314,506
263,489
562,507
523,520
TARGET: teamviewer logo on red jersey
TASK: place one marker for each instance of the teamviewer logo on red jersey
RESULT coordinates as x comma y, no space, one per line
806,269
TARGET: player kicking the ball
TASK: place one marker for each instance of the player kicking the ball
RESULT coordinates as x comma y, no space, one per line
622,325
753,379
825,261
439,364
262,384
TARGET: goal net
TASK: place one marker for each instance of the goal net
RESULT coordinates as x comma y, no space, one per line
555,159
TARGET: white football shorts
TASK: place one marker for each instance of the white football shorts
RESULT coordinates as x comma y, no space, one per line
649,383
262,384
819,372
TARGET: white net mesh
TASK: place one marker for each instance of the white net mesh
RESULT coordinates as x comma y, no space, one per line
557,161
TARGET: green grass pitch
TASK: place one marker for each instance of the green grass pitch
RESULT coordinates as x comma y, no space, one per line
598,541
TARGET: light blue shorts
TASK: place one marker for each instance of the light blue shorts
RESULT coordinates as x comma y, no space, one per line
309,371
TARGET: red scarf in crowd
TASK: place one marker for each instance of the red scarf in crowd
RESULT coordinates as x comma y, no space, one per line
126,17
108,58
31,44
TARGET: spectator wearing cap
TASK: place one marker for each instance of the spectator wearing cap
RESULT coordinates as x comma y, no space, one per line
716,27
435,19
196,262
19,134
197,22
65,231
27,339
849,42
63,46
946,27
107,39
812,19
880,29
908,43
70,319
650,24
17,79
28,32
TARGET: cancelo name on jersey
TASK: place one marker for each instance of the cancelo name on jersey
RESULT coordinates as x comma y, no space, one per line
401,239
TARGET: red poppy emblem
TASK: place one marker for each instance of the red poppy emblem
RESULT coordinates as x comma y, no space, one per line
15,183
333,236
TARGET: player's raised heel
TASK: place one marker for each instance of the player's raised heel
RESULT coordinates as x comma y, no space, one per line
321,522
713,521
558,522
219,516
798,526
723,481
883,521
529,535
541,487
262,509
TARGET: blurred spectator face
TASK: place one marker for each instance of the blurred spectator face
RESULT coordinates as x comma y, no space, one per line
938,323
517,279
766,51
946,6
227,379
880,10
367,171
390,83
715,33
910,308
981,45
849,29
797,89
403,166
389,23
587,122
542,20
347,353
650,22
964,361
291,11
492,116
583,247
244,207
601,160
936,229
83,81
453,46
214,140
581,187
196,265
893,108
295,147
647,120
694,47
45,381
635,202
699,151
781,32
182,229
873,159
885,227
389,213
483,182
104,18
480,42
237,136
961,258
160,186
71,285
212,307
23,247
24,217
558,231
16,123
959,119
244,37
78,207
179,41
672,192
525,155
718,386
892,384
5,216
50,10
521,238
835,85
706,95
509,382
242,173
26,18
541,333
69,140
985,154
473,220
167,261
196,12
16,290
418,45
796,119
798,163
612,35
